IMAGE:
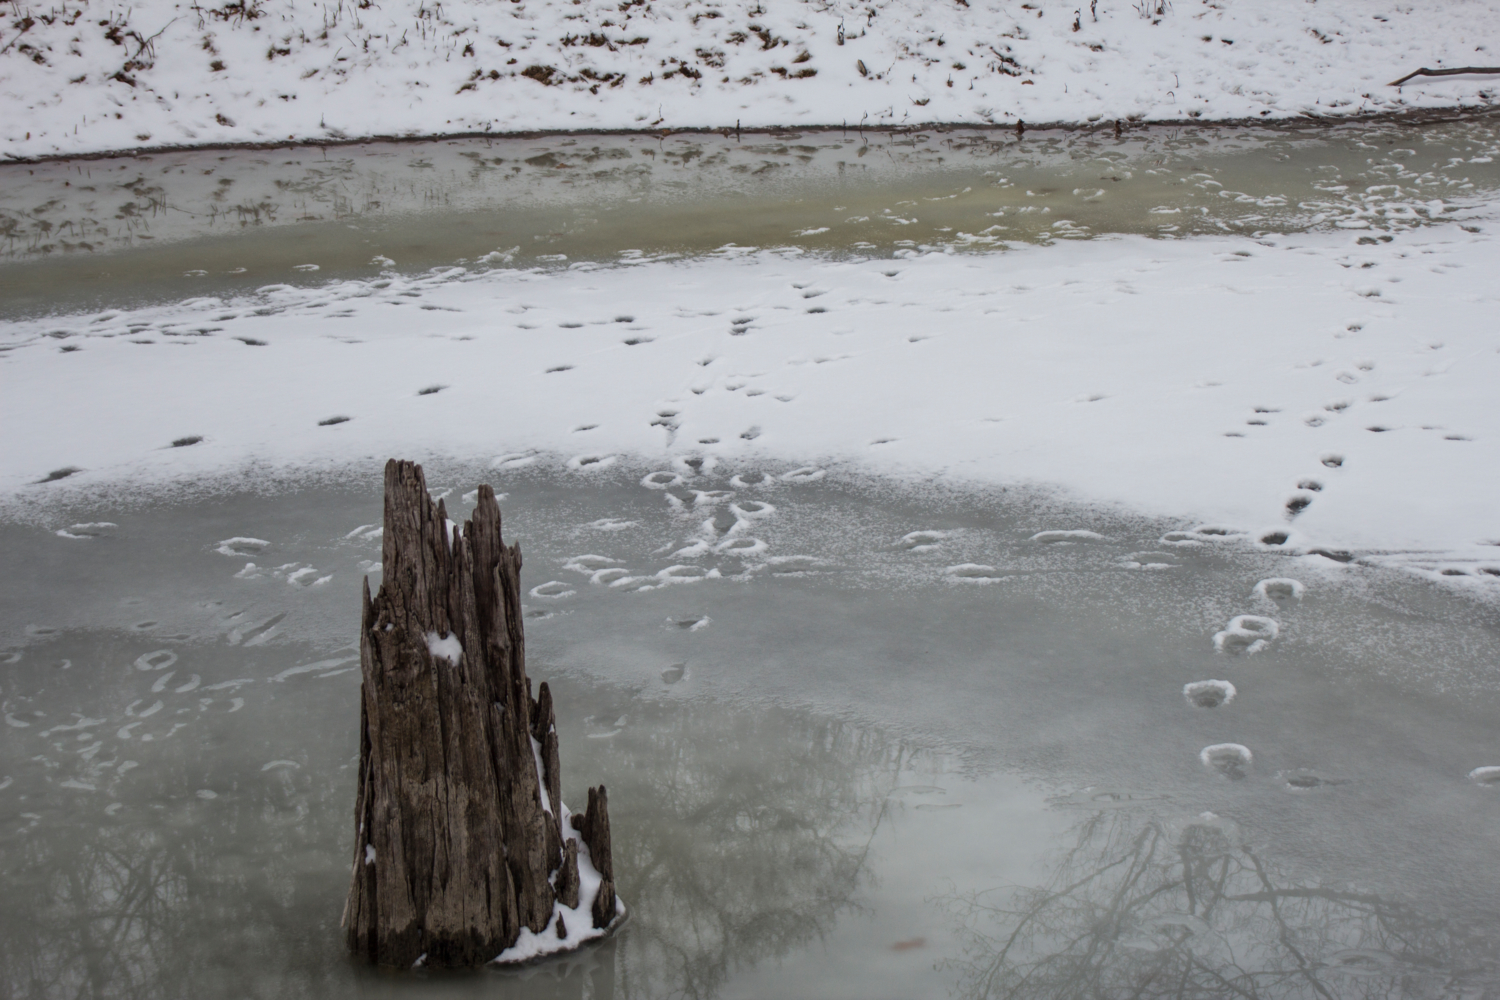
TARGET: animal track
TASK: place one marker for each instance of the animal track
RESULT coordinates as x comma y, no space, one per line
554,590
921,541
1208,694
654,480
514,460
240,547
1200,535
750,510
742,547
1304,779
710,498
685,574
1150,560
1246,634
695,465
92,529
1065,537
1279,589
795,565
160,659
1228,759
257,635
976,573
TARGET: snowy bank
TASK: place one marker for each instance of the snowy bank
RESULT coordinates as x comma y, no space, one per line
86,76
1330,389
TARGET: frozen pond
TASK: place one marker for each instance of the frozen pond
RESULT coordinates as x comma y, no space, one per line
868,731
861,739
212,222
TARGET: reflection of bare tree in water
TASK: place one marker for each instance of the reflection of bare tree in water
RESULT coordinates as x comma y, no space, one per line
740,837
744,837
1144,908
164,904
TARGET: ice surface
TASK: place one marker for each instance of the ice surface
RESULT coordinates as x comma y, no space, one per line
783,840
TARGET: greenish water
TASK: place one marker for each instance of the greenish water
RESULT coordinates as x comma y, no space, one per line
180,224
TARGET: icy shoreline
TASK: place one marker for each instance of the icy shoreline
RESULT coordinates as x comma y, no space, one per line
94,76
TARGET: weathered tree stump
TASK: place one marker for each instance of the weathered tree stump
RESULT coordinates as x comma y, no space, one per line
460,827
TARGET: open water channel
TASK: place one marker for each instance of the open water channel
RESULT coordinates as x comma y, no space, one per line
862,738
216,221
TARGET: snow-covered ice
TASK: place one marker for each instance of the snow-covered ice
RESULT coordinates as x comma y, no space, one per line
1211,379
85,76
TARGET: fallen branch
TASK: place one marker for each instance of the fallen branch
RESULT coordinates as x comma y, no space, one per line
1460,71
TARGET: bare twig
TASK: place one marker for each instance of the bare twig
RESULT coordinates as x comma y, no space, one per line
149,44
1459,71
16,39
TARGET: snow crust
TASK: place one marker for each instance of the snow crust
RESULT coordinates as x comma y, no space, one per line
83,76
1203,379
